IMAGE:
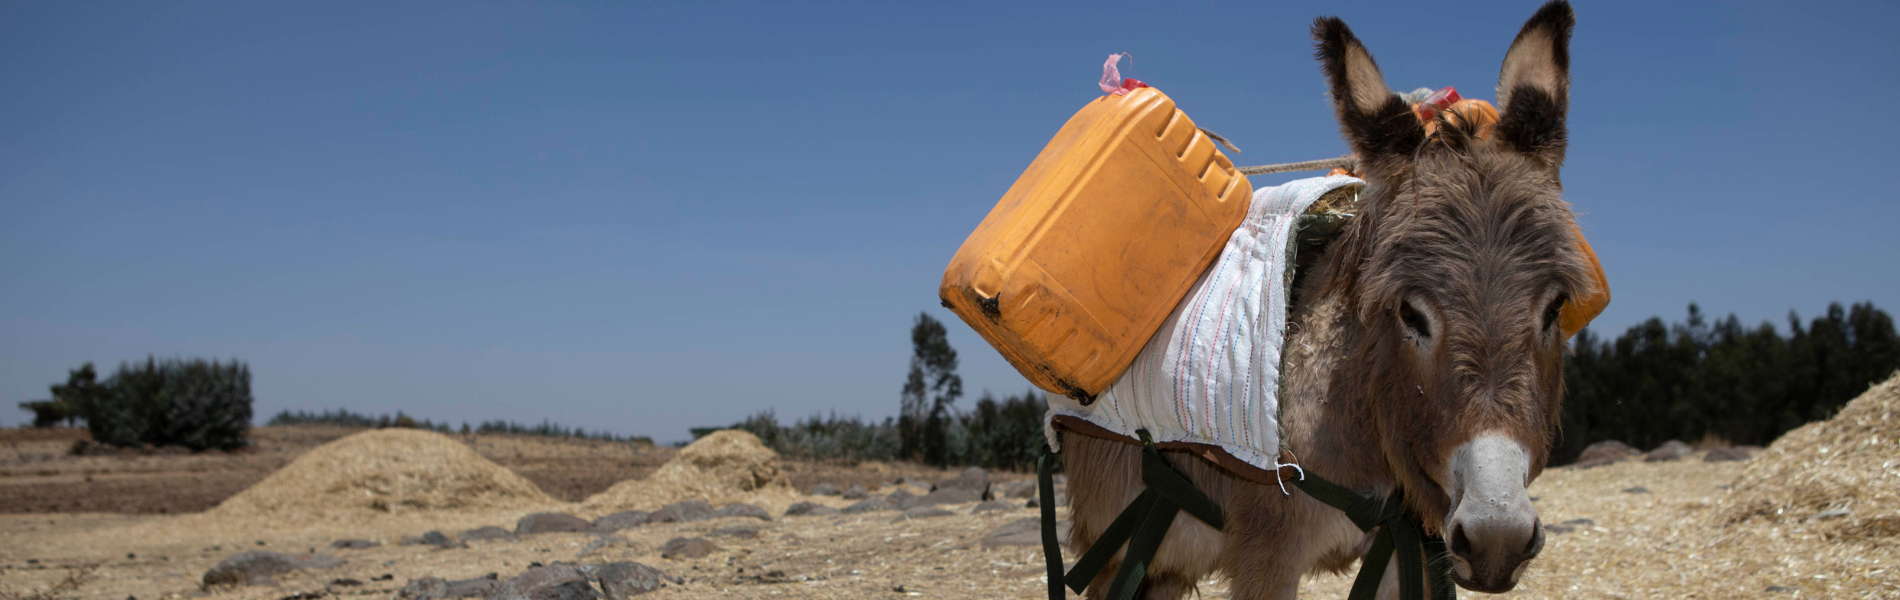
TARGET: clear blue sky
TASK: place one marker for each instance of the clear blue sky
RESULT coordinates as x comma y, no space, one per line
648,216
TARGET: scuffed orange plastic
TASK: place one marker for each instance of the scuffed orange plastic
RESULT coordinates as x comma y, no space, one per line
1089,251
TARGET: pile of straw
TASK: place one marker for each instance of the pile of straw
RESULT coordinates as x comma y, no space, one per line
1840,477
726,466
385,471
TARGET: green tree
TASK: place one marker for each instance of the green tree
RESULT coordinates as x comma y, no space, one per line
931,388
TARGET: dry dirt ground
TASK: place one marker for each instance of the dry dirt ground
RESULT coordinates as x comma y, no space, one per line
1663,541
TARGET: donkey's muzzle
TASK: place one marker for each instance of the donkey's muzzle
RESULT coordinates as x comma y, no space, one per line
1493,532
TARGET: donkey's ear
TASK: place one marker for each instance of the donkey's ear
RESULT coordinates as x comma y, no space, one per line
1534,85
1376,122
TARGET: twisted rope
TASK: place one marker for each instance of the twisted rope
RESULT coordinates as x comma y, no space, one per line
1344,162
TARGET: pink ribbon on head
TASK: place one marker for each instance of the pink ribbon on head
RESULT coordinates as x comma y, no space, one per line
1112,81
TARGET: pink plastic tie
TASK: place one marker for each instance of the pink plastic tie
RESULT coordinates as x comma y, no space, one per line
1112,82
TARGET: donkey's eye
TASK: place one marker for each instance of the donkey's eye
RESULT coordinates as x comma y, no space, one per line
1554,310
1415,320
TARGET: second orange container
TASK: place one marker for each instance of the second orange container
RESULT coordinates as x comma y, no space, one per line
1089,251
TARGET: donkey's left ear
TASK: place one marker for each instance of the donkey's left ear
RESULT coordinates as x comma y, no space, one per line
1534,85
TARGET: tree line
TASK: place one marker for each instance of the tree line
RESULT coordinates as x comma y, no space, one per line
1720,381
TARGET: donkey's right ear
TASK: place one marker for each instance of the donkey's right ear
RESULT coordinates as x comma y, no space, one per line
1376,122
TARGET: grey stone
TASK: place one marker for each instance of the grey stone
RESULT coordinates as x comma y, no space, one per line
551,523
1556,528
485,532
856,492
622,520
974,480
683,512
623,579
923,512
825,489
558,581
1019,489
1036,501
811,509
871,505
1668,451
354,544
900,499
606,541
435,588
695,547
1603,453
1636,490
992,506
945,496
256,567
1026,531
1728,454
741,509
431,538
750,532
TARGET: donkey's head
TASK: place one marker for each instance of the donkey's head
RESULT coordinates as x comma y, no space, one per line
1458,268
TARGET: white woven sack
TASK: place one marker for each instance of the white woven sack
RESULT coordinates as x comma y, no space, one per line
1211,375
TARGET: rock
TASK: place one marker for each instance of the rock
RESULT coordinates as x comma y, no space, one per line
1603,453
900,499
434,588
1026,531
1036,501
623,579
1636,490
558,581
257,566
871,505
432,538
486,532
353,544
603,542
1581,522
825,489
1555,528
923,512
855,492
1020,489
696,547
991,506
551,523
945,496
1668,451
1728,454
973,479
683,512
622,520
740,509
811,509
749,532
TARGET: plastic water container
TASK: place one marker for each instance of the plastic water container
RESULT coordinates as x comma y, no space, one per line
1084,257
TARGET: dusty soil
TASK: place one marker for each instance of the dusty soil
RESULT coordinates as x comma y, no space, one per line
1664,541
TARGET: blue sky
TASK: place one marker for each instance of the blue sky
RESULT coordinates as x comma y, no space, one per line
642,217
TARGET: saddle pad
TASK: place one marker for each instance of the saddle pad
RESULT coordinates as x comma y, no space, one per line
1211,374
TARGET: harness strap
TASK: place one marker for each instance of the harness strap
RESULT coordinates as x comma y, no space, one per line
1051,545
1399,533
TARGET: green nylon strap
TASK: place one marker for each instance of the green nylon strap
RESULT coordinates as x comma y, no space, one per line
1372,569
1141,550
1364,512
1439,563
1407,536
1161,477
1109,542
1051,545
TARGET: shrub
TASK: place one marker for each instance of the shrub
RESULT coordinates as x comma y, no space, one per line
193,403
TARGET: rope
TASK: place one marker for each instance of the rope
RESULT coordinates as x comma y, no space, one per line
1344,162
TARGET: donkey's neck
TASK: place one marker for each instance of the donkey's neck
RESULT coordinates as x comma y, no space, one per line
1327,417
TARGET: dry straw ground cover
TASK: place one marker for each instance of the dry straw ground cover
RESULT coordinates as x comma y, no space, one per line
1685,529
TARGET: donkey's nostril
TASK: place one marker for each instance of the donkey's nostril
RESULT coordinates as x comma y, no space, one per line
1459,545
1536,544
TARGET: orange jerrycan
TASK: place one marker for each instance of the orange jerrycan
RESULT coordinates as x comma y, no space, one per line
1082,260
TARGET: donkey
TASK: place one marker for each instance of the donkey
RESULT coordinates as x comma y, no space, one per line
1423,353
